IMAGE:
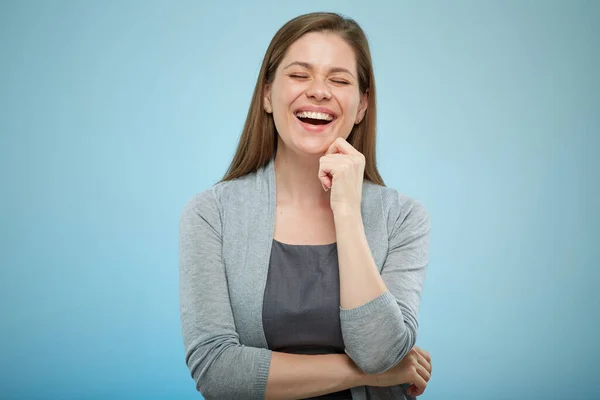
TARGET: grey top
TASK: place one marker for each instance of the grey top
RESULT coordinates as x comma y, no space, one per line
301,307
225,242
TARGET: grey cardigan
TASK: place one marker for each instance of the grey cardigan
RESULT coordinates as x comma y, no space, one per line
225,240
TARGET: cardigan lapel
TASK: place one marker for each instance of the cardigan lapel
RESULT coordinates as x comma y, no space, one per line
248,250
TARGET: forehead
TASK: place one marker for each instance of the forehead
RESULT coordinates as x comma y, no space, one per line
322,50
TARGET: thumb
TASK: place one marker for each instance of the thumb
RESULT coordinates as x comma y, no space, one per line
326,181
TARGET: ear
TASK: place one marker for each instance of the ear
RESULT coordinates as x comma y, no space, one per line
267,99
362,108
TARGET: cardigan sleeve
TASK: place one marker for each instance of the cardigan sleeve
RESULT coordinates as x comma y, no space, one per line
378,334
221,367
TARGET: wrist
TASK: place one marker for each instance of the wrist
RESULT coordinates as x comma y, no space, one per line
355,377
346,212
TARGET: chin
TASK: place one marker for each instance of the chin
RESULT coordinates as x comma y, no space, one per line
313,145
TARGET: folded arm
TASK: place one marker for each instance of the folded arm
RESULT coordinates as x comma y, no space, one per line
379,310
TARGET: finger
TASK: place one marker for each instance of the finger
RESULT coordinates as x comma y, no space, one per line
326,182
419,382
334,147
340,145
424,353
325,175
423,372
334,158
414,391
426,364
327,168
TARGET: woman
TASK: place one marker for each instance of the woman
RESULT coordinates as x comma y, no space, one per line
300,272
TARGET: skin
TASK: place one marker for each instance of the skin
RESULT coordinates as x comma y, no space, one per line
319,178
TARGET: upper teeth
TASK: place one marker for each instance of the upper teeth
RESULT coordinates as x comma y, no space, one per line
314,115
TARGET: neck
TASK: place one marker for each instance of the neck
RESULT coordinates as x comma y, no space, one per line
297,180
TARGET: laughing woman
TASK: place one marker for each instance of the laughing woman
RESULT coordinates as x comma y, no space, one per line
300,272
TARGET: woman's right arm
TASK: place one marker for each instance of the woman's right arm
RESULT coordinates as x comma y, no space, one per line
221,367
293,376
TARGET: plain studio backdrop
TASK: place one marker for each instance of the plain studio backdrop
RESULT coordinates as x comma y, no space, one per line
113,114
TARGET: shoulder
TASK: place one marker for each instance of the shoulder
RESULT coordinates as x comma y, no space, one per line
209,202
399,210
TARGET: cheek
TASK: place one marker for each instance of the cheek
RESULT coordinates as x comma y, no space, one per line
282,96
350,98
285,93
351,103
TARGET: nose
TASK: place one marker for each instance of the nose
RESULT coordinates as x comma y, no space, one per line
318,90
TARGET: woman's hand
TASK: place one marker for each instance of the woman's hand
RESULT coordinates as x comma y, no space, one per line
341,169
415,368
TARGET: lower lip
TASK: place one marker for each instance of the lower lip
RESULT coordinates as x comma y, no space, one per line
314,128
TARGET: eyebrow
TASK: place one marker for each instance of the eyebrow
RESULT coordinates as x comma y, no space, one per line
310,66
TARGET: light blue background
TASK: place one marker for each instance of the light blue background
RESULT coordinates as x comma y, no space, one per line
114,114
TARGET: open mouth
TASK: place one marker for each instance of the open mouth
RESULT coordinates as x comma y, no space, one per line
314,118
314,121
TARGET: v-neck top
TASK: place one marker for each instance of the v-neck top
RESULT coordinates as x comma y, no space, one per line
301,305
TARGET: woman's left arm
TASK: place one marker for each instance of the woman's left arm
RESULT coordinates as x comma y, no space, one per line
379,311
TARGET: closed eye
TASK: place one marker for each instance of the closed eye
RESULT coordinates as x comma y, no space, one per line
340,82
296,76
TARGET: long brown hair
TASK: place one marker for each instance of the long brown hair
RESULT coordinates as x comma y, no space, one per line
258,142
